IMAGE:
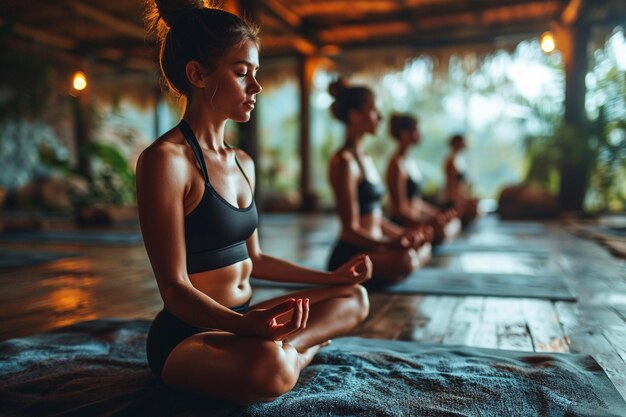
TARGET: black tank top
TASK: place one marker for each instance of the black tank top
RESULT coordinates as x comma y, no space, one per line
215,231
369,194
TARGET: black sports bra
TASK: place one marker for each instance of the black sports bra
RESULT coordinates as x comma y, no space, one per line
368,193
413,188
215,231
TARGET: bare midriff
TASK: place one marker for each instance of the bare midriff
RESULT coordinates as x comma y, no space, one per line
229,286
371,224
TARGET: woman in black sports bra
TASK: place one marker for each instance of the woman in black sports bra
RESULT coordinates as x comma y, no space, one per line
456,192
394,251
198,219
404,181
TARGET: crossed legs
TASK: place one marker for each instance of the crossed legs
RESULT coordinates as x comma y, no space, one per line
244,369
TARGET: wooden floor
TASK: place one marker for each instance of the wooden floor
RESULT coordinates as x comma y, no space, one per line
118,282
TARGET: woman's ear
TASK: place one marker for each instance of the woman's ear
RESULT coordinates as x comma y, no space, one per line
196,74
354,116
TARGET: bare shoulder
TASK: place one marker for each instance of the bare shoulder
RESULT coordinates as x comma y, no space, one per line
246,162
165,156
396,162
342,158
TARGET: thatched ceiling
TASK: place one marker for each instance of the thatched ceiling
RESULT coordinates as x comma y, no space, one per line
110,35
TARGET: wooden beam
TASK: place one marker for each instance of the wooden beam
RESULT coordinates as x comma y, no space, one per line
460,36
286,15
300,40
428,12
46,38
109,20
572,11
306,71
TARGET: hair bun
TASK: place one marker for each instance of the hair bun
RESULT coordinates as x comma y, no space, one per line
336,87
172,10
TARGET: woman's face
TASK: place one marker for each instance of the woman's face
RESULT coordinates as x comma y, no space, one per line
368,117
232,87
411,136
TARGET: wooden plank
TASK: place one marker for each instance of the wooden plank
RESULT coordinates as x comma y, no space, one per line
545,330
430,321
392,320
511,326
486,334
464,321
593,342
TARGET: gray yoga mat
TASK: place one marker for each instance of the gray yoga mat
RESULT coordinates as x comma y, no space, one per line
99,368
457,247
449,282
508,227
16,259
76,237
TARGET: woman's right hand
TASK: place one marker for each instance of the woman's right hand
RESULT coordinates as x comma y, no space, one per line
264,322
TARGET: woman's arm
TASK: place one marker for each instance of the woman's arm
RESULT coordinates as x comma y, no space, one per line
275,269
271,268
162,173
344,178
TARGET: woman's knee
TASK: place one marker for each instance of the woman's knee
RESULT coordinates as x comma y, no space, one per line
273,371
410,262
362,300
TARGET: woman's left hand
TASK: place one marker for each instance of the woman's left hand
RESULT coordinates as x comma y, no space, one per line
355,271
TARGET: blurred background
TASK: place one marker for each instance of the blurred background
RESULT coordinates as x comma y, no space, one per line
537,87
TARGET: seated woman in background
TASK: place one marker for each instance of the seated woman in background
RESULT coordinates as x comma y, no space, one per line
456,192
199,223
404,181
394,251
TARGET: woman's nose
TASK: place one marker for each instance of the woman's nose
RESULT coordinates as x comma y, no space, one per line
255,87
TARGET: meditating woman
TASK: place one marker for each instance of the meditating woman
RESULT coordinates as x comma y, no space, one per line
199,222
456,192
404,180
395,251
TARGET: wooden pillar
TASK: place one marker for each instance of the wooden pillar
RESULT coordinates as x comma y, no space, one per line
248,132
81,136
157,120
572,41
306,71
81,112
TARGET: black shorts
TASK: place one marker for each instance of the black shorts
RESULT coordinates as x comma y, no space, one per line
342,253
167,331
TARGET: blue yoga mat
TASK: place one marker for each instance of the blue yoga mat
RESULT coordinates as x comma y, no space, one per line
457,247
99,368
449,282
77,237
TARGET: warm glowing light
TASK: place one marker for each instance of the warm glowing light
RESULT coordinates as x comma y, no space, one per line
547,42
331,50
80,81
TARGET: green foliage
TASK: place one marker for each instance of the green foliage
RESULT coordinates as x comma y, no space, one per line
608,169
112,181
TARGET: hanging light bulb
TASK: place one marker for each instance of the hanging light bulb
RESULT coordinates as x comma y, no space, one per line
79,82
547,42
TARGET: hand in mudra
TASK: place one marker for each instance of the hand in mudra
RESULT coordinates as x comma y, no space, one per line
355,271
265,323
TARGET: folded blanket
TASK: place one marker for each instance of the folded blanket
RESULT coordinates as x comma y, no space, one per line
98,368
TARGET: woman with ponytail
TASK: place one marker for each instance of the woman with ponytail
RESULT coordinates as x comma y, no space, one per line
404,181
199,223
395,251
